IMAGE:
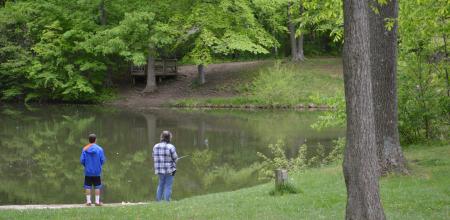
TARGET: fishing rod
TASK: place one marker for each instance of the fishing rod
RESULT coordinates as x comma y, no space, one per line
183,157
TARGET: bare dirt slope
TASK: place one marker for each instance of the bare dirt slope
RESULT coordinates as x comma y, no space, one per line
218,77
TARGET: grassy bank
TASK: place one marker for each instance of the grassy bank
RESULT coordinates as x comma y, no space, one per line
282,85
422,195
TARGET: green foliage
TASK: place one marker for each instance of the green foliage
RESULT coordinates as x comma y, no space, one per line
276,85
423,94
322,16
63,51
336,117
291,84
337,152
323,196
201,160
222,28
423,103
56,51
43,56
231,177
281,85
278,159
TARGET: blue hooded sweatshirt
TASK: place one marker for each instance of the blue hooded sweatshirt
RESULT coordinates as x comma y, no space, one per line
92,158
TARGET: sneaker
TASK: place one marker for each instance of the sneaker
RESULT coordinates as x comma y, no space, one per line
99,204
88,204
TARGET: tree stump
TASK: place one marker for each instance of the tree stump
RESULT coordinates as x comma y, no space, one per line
281,177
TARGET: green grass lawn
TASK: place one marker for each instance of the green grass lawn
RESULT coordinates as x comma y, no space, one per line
425,194
284,84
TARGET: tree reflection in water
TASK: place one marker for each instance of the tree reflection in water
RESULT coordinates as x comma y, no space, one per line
40,148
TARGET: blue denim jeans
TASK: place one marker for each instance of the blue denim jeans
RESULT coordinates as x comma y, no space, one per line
164,189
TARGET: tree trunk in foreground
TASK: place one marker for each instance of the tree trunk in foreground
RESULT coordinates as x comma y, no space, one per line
291,28
360,158
151,81
201,74
383,51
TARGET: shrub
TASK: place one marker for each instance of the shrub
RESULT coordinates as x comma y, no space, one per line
276,85
278,159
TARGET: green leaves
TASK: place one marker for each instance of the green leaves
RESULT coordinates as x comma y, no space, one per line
423,64
225,27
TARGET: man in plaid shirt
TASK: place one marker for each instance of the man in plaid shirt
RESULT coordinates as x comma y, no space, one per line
165,160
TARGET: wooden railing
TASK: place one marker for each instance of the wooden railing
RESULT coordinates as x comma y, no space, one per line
166,67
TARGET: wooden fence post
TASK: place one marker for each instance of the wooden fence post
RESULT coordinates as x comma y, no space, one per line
281,177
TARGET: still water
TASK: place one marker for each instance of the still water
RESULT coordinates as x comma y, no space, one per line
40,148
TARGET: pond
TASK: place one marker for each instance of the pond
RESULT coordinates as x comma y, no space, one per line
40,148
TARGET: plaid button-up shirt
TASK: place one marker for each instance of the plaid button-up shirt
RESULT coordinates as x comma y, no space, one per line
164,158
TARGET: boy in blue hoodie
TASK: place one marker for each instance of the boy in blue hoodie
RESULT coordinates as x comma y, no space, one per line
92,158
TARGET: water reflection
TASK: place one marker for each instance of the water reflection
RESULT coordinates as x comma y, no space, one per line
40,148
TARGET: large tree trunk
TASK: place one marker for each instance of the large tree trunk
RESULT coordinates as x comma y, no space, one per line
102,12
360,158
300,54
444,38
151,81
103,22
383,49
291,28
201,74
109,75
275,48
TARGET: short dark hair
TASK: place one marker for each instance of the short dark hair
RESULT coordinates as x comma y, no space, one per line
166,136
92,138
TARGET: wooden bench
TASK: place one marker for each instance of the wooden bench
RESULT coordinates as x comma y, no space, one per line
163,67
167,67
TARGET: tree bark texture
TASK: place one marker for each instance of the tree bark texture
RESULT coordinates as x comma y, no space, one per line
151,79
360,158
291,28
102,12
300,53
383,52
109,76
275,48
444,38
201,74
103,22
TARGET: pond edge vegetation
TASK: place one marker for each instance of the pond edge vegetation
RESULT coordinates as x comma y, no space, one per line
321,193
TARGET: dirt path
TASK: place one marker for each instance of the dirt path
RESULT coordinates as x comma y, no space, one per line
64,206
218,76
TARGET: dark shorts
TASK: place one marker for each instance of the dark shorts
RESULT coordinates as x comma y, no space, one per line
92,180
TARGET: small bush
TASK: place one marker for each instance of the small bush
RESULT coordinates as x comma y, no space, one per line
276,85
336,117
423,101
278,159
287,188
